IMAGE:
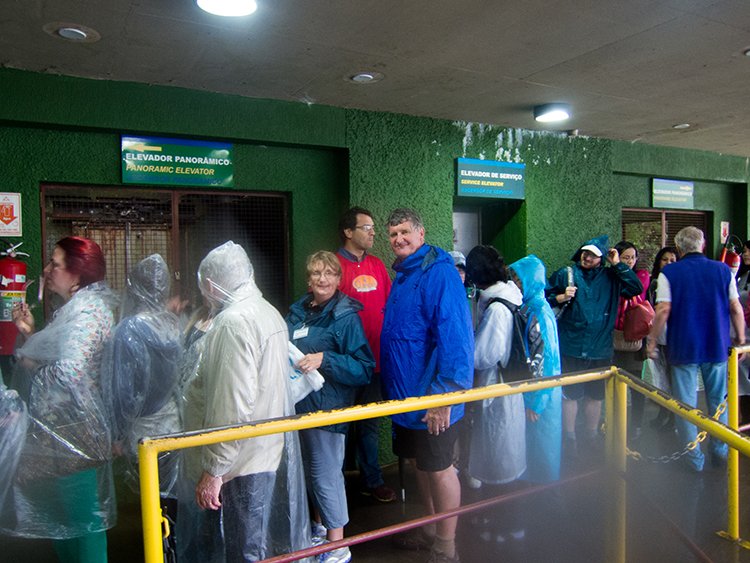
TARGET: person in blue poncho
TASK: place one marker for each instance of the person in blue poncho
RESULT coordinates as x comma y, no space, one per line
585,327
543,408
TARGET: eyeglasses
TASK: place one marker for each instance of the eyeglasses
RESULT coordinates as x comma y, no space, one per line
366,228
325,274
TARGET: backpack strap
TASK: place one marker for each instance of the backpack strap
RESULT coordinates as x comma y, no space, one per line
512,307
519,335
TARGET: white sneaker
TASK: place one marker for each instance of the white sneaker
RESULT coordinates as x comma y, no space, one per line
317,532
340,555
473,483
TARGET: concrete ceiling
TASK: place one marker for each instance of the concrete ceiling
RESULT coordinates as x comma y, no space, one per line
630,69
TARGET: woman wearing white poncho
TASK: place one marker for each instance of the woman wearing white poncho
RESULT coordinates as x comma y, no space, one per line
498,446
63,487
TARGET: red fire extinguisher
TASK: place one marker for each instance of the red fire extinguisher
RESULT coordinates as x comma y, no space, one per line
12,290
730,254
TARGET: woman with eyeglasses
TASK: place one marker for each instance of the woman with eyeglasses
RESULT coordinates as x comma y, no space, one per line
325,327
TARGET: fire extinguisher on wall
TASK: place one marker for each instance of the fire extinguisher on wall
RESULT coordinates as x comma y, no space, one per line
12,290
730,254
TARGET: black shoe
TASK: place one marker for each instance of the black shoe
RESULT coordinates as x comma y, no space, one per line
413,540
570,450
381,493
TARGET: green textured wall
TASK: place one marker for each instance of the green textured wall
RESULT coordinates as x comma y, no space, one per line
403,161
62,129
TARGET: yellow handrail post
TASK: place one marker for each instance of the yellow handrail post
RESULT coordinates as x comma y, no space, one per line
733,457
619,467
609,419
621,419
150,506
616,421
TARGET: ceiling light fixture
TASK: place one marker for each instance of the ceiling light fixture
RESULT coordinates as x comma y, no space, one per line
366,77
551,113
228,8
73,32
746,52
681,126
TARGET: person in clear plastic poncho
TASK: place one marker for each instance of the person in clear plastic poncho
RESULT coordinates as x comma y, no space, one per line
140,371
258,483
63,488
14,421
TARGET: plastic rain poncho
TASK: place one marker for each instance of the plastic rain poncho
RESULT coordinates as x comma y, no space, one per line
543,437
14,420
497,451
141,370
200,532
243,376
64,486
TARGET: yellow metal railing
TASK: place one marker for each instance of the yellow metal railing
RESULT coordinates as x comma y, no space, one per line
616,423
738,443
149,448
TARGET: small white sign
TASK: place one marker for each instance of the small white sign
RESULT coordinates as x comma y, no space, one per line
724,231
10,215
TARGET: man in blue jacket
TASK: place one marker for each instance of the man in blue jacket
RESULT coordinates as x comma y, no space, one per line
427,348
585,327
696,298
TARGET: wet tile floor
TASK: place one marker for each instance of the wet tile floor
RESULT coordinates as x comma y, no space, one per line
672,516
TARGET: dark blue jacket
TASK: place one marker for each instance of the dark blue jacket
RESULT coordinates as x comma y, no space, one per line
427,343
585,327
335,330
698,324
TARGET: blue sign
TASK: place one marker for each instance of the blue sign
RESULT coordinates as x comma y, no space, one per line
489,178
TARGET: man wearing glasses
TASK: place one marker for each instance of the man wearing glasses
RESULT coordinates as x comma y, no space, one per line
365,278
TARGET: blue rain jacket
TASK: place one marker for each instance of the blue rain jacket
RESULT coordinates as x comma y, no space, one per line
336,330
543,437
427,343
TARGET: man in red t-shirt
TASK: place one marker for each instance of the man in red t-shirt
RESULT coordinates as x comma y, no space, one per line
366,279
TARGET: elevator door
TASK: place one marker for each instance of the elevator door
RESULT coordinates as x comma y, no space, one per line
130,224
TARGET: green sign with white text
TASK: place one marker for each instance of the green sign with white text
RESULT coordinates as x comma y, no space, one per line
180,162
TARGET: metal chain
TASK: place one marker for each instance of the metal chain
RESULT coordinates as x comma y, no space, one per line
702,435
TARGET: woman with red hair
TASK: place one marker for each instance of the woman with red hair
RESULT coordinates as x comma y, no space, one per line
64,488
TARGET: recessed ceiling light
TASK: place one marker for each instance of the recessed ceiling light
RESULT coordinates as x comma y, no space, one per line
228,8
367,77
73,32
551,113
681,126
746,52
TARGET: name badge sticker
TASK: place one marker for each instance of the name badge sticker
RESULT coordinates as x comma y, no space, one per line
300,333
